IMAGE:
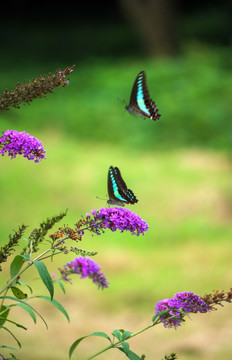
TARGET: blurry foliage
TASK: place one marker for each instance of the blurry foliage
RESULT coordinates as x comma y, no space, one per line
192,92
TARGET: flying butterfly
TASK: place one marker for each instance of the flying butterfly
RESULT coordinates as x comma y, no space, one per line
117,189
140,102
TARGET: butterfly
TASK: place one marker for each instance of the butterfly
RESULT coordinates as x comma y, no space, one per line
117,189
140,101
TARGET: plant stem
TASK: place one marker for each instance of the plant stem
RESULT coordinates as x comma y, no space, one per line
120,341
9,283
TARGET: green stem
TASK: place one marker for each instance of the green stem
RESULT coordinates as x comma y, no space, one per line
9,283
39,257
120,341
2,302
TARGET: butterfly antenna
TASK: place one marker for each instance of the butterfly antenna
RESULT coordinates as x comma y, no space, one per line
100,198
122,101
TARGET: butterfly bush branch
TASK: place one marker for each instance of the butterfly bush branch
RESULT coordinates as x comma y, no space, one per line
38,234
97,222
86,268
36,88
9,248
171,313
15,143
100,220
217,298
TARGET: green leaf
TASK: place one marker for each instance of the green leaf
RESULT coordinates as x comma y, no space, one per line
25,284
45,276
15,323
130,354
117,334
26,304
125,346
77,342
101,334
26,256
126,335
56,304
4,311
18,293
28,310
61,285
19,344
156,318
16,265
8,347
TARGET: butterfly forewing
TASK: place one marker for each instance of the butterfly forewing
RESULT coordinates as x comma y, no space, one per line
117,189
140,101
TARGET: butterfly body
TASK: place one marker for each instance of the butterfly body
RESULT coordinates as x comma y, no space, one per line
117,189
140,102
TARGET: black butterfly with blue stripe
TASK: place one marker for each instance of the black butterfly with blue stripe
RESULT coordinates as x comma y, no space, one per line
140,102
117,189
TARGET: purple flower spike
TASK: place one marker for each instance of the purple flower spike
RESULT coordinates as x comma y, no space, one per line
121,219
21,143
177,307
86,267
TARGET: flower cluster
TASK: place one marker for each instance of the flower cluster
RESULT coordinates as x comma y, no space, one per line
86,267
22,143
121,219
173,310
37,88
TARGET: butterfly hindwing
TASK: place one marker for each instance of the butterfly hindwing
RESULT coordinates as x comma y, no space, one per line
117,189
140,101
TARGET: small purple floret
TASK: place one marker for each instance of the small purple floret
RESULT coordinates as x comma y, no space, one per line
21,143
178,306
86,267
121,219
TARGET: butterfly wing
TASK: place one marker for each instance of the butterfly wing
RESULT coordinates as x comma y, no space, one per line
140,101
117,189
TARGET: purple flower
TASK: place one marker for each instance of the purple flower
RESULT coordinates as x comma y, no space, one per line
86,267
176,308
21,143
121,219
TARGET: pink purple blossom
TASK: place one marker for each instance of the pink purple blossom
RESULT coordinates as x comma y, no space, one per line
21,143
120,218
85,267
176,308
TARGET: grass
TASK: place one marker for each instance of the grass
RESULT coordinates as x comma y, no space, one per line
192,92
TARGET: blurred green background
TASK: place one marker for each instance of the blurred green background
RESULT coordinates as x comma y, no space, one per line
179,167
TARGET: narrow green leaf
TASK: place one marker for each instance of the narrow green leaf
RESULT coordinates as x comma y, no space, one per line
25,284
125,346
18,342
18,293
17,324
130,354
101,334
16,265
77,342
117,334
126,335
56,304
156,317
74,345
61,285
8,347
26,256
29,311
26,304
4,311
45,276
